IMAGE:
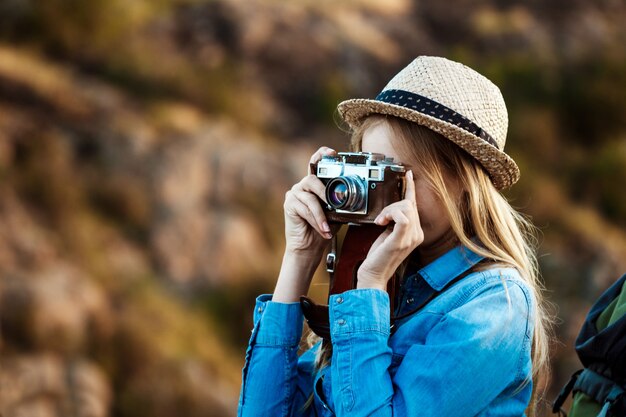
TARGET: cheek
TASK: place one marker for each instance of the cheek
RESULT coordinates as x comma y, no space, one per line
431,210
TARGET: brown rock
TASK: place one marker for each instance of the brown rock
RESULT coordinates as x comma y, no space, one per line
54,308
47,386
182,388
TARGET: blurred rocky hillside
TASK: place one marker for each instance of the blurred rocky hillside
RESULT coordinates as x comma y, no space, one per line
146,146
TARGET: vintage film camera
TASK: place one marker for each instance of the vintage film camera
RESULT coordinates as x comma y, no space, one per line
359,185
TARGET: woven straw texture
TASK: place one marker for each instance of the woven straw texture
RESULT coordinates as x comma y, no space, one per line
464,91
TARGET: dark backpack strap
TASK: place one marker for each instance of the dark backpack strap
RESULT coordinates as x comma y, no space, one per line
603,391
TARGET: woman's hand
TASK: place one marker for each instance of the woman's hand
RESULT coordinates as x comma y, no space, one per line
306,228
403,234
307,234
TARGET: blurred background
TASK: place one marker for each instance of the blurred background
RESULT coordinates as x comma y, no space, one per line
146,146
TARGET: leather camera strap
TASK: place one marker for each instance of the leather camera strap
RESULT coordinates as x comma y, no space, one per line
356,244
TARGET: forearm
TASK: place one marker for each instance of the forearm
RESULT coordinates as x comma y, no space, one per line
295,276
271,383
270,371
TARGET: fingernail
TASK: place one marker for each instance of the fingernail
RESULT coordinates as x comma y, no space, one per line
328,236
325,227
409,174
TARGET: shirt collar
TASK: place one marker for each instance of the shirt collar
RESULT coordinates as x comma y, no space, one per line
450,265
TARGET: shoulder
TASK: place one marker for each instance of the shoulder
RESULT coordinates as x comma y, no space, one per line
496,292
497,300
495,279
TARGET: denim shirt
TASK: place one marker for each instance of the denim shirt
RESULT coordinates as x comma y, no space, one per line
466,353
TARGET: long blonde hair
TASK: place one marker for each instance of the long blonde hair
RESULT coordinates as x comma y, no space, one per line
506,236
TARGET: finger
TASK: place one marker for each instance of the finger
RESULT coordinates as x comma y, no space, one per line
387,214
407,229
312,184
313,204
409,192
323,151
401,218
402,235
303,211
411,196
396,216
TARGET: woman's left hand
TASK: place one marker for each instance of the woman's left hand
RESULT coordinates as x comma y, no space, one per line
403,234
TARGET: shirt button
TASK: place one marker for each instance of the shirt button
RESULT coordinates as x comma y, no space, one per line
410,300
339,300
260,309
341,322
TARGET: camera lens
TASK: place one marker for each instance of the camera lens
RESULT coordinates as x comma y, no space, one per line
346,193
339,194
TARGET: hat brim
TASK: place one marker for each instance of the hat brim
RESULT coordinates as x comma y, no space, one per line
503,171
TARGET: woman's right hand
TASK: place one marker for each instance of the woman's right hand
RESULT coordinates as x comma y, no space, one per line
306,228
307,234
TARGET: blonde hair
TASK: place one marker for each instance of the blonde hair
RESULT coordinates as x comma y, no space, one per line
506,236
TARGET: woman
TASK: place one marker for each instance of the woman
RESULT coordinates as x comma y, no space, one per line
473,349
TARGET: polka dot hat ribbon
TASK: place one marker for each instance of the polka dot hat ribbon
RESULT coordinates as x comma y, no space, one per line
432,108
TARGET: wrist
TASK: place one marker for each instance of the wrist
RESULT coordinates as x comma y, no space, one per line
370,281
303,255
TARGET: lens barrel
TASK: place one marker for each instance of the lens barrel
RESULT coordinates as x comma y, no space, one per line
346,193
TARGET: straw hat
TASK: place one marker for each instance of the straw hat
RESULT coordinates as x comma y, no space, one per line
451,99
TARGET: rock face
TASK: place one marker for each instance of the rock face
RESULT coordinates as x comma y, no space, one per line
211,195
92,225
57,309
45,385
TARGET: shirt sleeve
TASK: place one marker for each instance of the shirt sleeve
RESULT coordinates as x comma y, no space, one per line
470,356
269,377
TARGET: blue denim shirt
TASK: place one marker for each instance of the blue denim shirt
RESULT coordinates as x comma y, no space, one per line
466,353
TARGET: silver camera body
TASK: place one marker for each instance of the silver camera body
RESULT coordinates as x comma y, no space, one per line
352,179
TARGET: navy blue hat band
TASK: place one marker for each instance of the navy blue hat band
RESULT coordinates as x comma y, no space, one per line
431,108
